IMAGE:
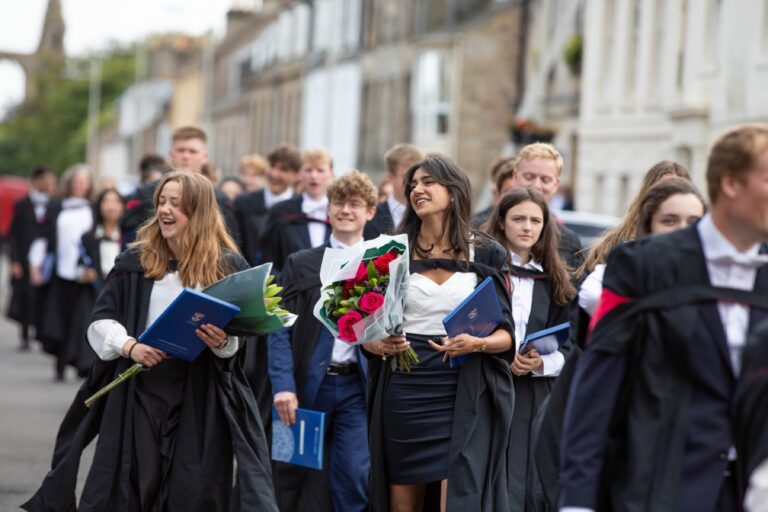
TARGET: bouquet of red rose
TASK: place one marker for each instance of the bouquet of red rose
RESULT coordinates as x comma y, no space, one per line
363,293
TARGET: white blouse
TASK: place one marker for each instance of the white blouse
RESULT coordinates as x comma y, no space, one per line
427,303
591,290
75,219
107,337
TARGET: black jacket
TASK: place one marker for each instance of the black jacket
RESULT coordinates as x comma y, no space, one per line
251,212
381,223
649,421
287,232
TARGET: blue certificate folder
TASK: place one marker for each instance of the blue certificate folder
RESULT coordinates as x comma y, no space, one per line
478,315
546,341
301,443
174,330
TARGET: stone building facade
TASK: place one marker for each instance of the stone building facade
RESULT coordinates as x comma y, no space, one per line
661,80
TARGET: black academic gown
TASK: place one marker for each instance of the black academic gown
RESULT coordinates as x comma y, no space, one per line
652,398
251,212
751,418
287,232
24,229
570,247
381,223
215,419
479,453
530,393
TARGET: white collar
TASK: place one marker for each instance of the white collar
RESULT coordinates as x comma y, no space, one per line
716,247
38,197
531,265
271,198
336,244
311,205
100,234
75,202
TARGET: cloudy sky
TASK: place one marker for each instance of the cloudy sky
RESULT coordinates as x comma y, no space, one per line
91,24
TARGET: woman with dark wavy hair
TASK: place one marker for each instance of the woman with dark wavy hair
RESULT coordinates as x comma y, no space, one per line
541,291
440,433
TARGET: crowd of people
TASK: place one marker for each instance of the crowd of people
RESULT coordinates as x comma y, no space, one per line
657,400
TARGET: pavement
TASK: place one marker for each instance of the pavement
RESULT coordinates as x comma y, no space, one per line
32,406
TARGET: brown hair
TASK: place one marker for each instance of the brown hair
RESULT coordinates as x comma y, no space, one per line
200,244
285,154
734,153
545,250
497,165
353,184
659,193
542,150
406,154
189,132
627,229
505,172
211,171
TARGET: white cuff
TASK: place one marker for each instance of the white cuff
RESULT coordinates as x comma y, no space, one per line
36,253
551,365
229,349
576,509
756,499
107,338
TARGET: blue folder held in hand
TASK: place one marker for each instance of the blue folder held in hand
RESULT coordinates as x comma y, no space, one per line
174,330
300,444
478,315
546,341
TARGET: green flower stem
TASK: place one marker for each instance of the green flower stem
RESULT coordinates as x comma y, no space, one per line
127,374
404,360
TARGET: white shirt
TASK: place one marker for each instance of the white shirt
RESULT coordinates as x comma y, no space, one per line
396,209
591,289
107,337
271,199
522,303
315,209
109,248
75,219
343,352
733,269
39,203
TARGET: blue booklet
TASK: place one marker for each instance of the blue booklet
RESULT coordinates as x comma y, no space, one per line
301,443
174,330
478,315
546,341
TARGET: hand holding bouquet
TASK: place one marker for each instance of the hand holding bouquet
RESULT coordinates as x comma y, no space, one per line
363,293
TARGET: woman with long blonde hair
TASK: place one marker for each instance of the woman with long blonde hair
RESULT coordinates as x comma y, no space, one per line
168,439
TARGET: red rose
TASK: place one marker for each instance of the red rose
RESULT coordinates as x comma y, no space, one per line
347,288
362,273
370,302
382,262
345,324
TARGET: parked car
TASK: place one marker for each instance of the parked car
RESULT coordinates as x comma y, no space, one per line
588,226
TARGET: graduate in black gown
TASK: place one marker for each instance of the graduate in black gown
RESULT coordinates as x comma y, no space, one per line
30,217
398,159
437,425
301,222
649,419
169,438
61,245
541,290
100,248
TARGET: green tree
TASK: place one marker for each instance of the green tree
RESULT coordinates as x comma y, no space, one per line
52,129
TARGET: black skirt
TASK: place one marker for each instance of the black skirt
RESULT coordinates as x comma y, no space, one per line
418,414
